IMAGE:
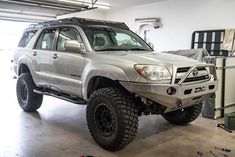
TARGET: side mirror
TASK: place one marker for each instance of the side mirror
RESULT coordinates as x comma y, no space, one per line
151,45
74,46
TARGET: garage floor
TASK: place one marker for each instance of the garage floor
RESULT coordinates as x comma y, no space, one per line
59,129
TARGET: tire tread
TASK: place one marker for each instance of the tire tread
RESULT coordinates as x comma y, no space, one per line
191,113
126,109
34,100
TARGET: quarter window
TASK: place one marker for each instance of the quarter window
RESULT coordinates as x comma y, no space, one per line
27,36
46,39
67,34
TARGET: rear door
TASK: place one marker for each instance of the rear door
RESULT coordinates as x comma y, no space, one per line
42,53
67,67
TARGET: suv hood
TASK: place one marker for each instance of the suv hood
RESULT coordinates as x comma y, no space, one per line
143,57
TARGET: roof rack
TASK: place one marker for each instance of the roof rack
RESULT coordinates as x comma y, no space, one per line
82,22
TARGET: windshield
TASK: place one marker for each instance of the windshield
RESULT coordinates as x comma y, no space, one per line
108,39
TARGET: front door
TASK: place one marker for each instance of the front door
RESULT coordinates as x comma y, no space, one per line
67,67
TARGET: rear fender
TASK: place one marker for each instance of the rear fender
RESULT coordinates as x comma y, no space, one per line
28,62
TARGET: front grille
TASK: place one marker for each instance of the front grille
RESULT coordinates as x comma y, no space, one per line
201,75
183,70
200,78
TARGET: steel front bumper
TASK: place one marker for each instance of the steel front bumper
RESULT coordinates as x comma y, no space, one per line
174,96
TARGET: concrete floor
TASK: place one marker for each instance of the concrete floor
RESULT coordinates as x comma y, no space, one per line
59,129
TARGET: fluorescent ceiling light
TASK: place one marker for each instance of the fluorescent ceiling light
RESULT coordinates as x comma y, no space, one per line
55,7
26,13
98,5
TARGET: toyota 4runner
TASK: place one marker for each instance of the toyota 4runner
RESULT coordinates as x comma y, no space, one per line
113,71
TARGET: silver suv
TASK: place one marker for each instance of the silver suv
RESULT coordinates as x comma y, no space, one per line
111,69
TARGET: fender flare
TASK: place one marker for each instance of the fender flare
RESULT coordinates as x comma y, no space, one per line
103,70
28,62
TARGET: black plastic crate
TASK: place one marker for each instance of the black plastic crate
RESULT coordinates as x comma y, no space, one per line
229,121
211,40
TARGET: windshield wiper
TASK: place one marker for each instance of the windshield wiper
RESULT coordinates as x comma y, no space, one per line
123,49
112,49
137,49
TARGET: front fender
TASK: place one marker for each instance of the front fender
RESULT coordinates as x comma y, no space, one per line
103,70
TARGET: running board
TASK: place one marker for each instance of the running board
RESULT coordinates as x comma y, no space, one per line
62,96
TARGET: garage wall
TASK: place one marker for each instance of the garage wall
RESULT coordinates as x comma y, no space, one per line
179,18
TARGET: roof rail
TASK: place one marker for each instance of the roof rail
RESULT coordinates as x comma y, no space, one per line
82,22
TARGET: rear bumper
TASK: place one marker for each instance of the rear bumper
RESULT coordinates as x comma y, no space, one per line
185,94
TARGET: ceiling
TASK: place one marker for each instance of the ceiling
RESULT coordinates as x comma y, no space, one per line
127,3
45,10
36,11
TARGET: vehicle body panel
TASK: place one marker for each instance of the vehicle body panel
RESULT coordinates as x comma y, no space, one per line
66,71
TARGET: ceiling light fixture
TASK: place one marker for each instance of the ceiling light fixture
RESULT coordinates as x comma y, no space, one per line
23,12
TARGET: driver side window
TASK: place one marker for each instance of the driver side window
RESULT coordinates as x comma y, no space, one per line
67,33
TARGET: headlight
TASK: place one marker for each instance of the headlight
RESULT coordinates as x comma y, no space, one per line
153,72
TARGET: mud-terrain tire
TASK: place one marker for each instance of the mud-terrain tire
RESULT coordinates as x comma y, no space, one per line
27,99
112,118
183,116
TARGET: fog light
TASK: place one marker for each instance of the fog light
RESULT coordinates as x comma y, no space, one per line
171,91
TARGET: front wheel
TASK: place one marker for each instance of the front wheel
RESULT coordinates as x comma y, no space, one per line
27,99
183,116
112,118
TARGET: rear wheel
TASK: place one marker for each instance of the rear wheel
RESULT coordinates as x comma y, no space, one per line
112,118
27,99
183,116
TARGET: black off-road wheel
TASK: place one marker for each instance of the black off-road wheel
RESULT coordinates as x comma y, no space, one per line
27,99
112,118
183,116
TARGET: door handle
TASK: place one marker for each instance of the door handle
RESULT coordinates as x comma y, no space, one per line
35,53
55,56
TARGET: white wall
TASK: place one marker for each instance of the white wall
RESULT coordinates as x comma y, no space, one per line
91,14
179,18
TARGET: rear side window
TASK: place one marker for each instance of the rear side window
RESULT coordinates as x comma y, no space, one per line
46,39
27,36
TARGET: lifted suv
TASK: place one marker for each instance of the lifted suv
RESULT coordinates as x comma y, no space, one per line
108,67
